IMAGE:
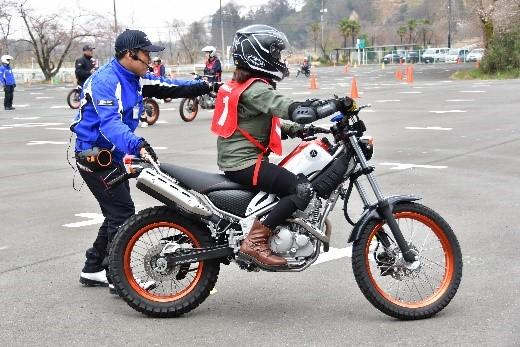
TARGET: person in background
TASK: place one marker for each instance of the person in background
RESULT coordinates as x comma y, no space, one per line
85,65
213,66
158,67
8,81
111,102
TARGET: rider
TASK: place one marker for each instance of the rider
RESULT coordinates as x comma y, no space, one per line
213,66
7,81
111,102
158,68
245,121
306,69
85,65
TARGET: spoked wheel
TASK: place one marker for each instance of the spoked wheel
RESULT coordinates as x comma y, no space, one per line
73,98
140,269
151,111
408,290
188,109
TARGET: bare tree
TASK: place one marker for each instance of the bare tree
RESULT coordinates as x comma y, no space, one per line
7,8
503,15
191,38
314,30
50,39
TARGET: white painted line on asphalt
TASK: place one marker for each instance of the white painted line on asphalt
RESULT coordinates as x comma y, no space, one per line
4,127
58,129
472,91
60,106
92,218
160,147
168,109
33,143
31,125
20,106
388,100
161,122
45,97
400,166
371,111
427,128
285,88
3,248
460,100
26,117
301,93
328,88
333,254
213,291
36,93
410,92
448,111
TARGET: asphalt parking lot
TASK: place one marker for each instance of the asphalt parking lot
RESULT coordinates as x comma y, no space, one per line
453,143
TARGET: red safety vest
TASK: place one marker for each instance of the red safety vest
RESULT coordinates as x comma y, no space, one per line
225,121
157,70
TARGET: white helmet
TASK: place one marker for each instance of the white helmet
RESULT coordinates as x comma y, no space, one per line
210,49
156,59
6,59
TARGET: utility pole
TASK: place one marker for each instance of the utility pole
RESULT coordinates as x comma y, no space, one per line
222,34
115,17
322,11
449,23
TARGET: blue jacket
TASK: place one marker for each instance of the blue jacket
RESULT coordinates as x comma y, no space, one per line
6,75
112,101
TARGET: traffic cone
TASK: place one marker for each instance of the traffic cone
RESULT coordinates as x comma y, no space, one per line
409,74
354,89
382,66
399,75
314,84
345,69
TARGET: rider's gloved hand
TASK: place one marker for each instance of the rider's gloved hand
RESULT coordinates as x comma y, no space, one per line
146,150
292,131
214,86
344,104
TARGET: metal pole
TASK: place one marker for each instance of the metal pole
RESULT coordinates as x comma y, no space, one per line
222,34
322,10
115,17
449,23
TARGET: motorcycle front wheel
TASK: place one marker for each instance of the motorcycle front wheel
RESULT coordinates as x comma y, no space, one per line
405,290
154,107
143,277
188,109
73,99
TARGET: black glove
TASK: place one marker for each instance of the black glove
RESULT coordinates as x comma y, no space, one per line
344,105
149,149
214,86
294,130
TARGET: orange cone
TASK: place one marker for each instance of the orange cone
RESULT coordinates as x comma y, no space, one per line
354,89
409,74
314,82
345,69
399,75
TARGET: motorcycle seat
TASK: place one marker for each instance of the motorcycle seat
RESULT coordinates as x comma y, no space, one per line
200,181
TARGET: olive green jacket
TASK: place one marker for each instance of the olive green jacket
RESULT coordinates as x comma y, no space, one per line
256,106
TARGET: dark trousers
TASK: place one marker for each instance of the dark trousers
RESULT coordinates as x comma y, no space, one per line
271,179
116,206
8,99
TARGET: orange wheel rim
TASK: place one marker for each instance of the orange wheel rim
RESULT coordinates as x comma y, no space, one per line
449,263
129,274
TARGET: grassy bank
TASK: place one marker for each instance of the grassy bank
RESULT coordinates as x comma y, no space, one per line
477,74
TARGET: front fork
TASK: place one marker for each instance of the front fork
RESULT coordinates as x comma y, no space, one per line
383,206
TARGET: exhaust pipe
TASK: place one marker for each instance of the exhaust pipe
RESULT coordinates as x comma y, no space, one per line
172,192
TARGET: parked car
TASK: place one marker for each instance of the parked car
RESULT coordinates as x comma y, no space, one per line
476,54
432,55
411,57
392,58
457,55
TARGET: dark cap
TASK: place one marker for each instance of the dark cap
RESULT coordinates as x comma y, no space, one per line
135,39
88,48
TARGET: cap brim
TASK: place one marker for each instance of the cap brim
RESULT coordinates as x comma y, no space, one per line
152,48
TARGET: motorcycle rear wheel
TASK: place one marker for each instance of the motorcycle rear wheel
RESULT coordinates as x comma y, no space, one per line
188,109
73,99
154,106
403,290
135,259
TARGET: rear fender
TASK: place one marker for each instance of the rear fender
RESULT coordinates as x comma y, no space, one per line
372,213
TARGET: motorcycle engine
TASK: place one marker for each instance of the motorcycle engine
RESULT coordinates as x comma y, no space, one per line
286,242
208,102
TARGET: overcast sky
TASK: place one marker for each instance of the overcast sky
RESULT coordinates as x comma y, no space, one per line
149,16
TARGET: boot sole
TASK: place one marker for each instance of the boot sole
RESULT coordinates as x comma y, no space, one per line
247,257
92,283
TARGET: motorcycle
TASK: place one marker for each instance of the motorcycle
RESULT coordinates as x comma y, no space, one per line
73,97
151,111
189,107
165,260
301,70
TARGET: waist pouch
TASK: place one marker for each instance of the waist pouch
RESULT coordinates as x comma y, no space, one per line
95,159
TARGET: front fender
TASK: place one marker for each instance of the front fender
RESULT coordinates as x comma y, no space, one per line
372,213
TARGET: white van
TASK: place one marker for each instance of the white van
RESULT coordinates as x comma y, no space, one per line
431,55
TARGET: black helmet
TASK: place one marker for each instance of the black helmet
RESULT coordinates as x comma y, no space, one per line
258,48
135,39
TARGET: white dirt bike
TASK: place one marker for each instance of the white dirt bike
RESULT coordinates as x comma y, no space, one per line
165,260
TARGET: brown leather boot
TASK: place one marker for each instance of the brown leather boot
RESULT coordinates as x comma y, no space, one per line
255,245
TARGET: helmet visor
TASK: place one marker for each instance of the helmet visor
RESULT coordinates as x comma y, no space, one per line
280,50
